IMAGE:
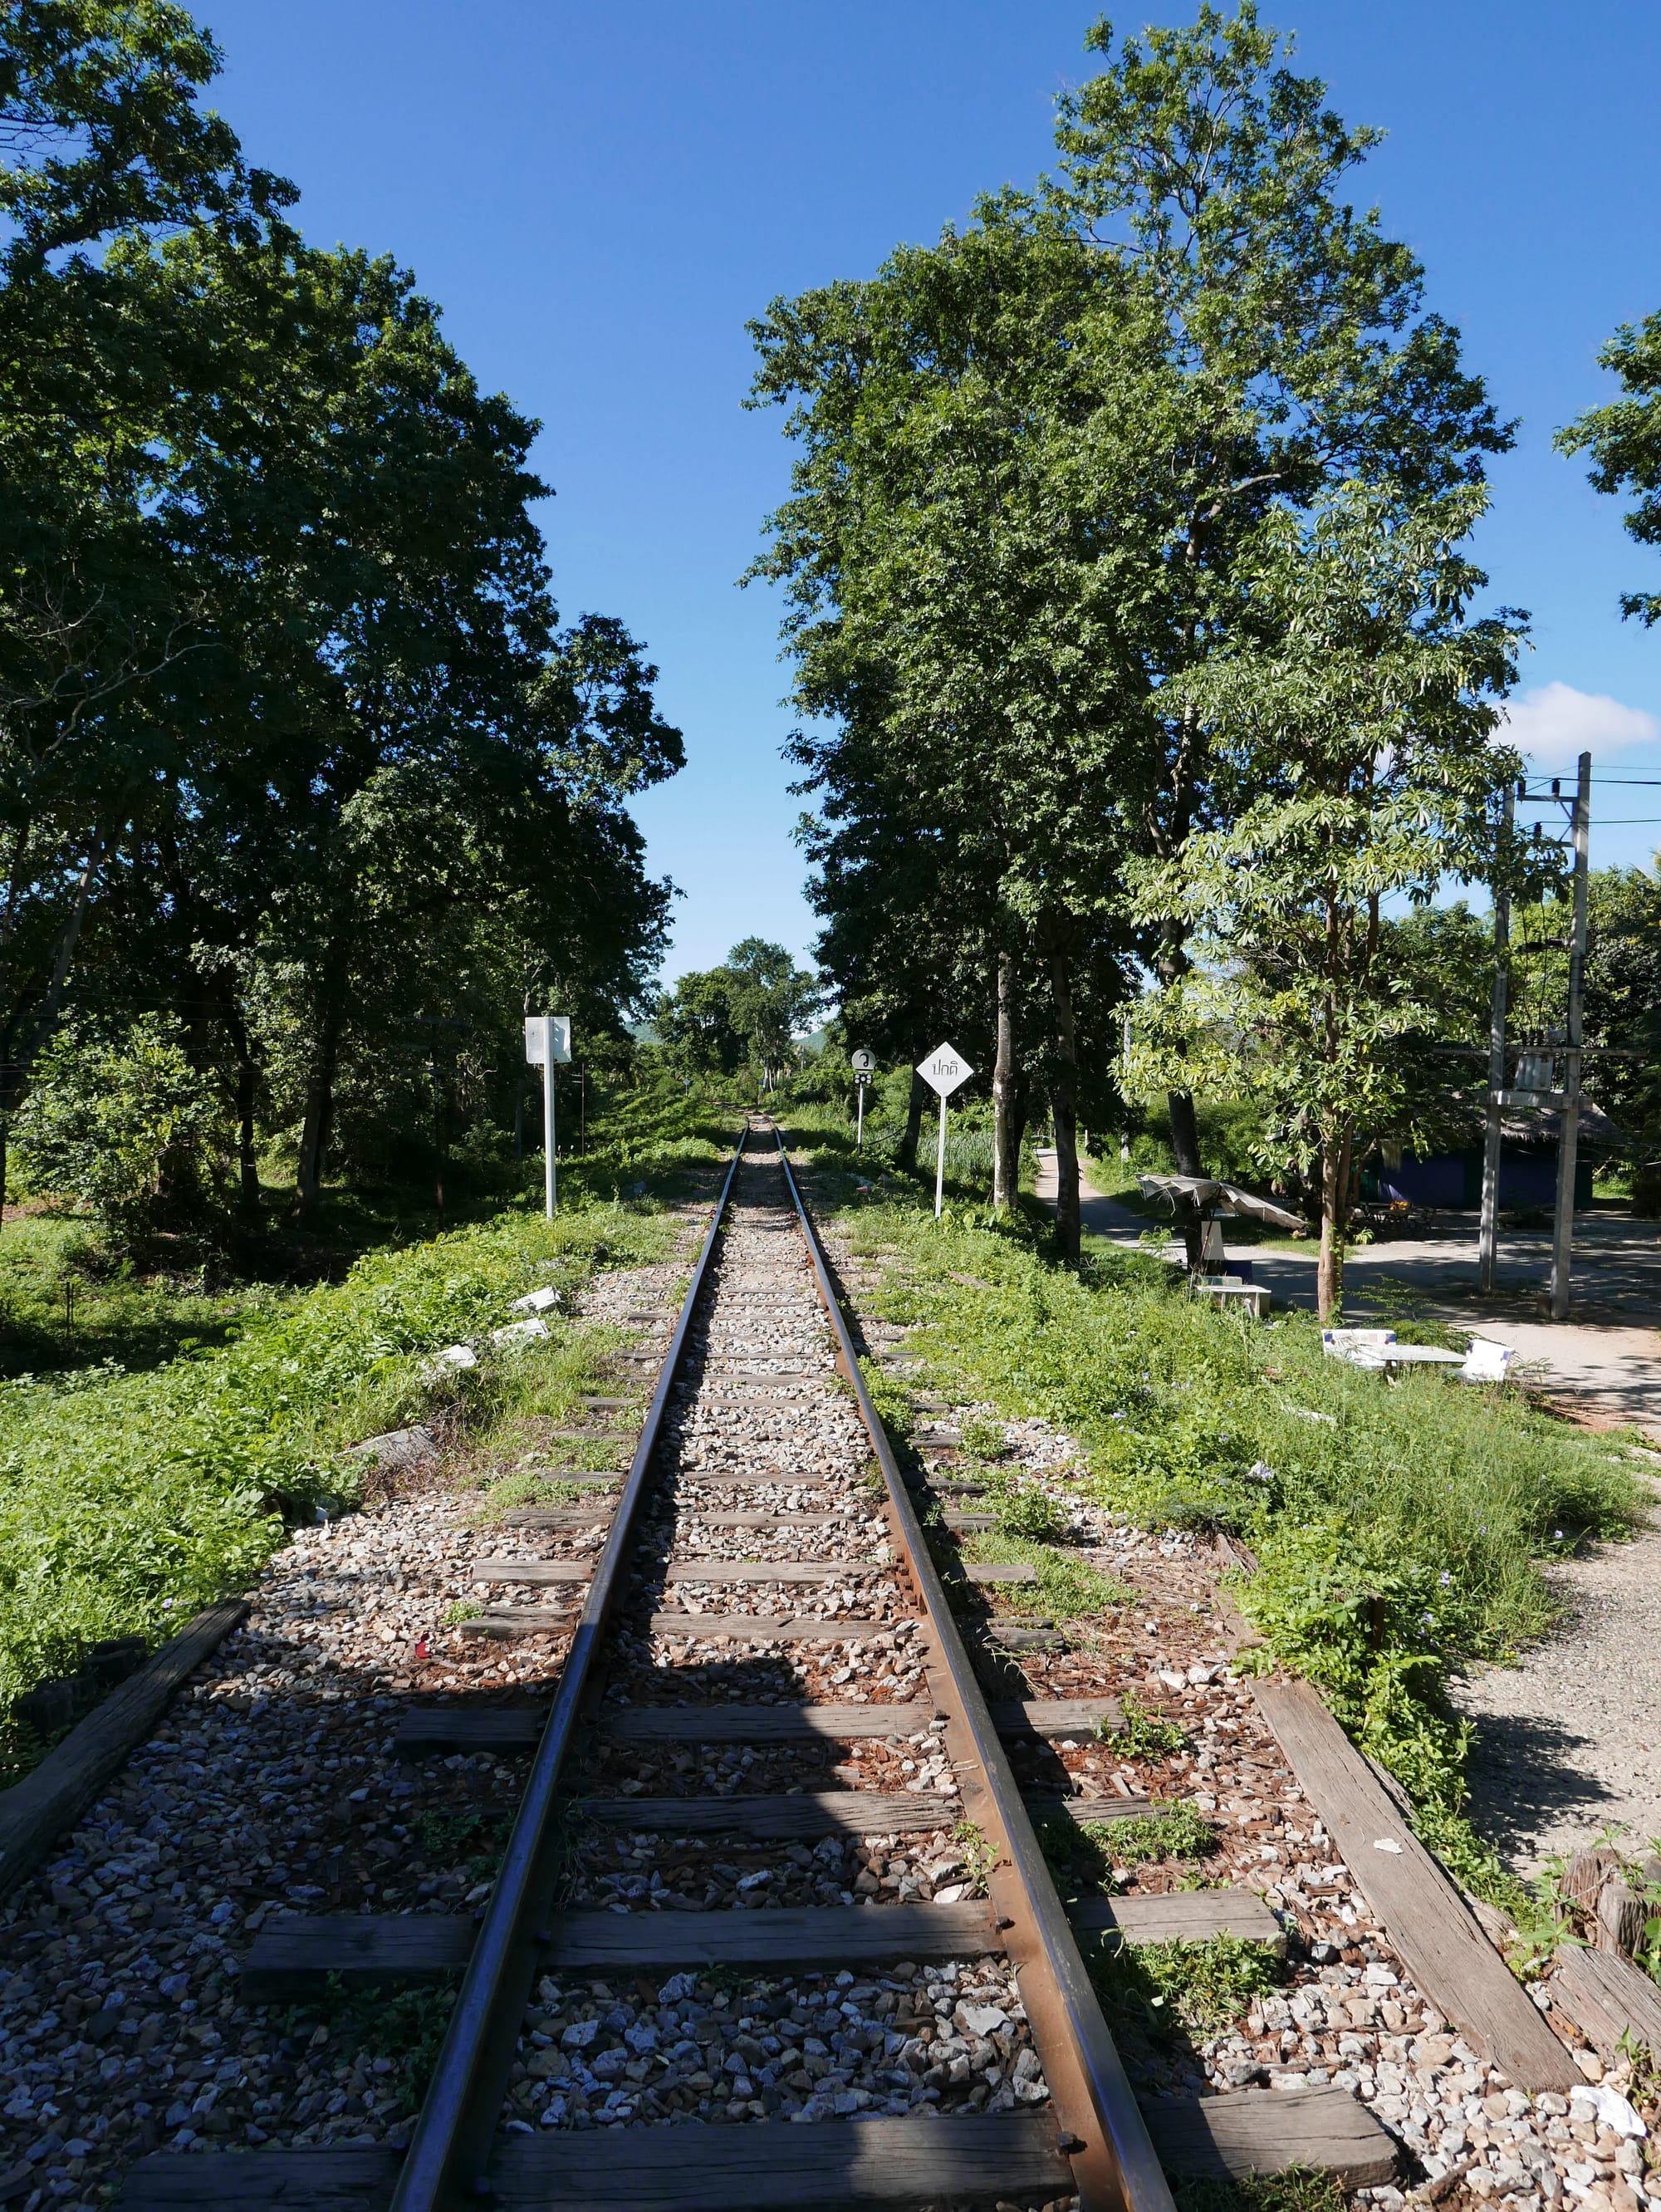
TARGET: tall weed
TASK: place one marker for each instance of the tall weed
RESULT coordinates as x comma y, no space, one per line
129,1500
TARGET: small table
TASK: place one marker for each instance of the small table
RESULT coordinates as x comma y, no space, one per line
1224,1287
1393,1358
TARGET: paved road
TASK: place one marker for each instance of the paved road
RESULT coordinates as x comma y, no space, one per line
1607,1358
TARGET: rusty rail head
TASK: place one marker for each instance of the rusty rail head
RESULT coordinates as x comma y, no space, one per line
448,2153
1114,2161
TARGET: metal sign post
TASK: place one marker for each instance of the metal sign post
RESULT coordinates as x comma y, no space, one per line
1562,1243
548,1046
863,1063
944,1069
1488,1245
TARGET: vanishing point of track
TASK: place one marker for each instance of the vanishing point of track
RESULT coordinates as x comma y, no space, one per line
1074,2130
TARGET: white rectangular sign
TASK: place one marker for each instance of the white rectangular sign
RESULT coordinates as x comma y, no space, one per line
945,1068
541,1029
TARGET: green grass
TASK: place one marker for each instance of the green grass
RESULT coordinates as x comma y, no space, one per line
64,1305
131,1498
1202,1986
1299,2189
1067,1588
527,1489
1084,1854
404,2026
1399,1529
1141,1734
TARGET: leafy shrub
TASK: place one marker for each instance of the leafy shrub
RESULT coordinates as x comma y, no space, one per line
119,1125
1398,1529
1142,1734
1067,1588
1088,1851
1028,1511
127,1501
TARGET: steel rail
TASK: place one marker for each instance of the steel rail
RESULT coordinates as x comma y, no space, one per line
448,2159
1114,2161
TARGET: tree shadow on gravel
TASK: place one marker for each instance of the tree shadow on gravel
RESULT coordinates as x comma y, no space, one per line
1520,1780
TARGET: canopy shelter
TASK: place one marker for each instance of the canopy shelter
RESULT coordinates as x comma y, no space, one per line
1203,1195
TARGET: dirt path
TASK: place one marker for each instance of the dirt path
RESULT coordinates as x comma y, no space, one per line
1569,1741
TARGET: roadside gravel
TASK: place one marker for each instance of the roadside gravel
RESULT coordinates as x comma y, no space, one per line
1568,1739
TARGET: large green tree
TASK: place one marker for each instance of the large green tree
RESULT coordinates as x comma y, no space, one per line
1031,461
962,625
1354,725
292,741
1624,441
103,149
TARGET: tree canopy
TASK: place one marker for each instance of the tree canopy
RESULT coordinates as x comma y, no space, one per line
294,744
1624,441
1039,467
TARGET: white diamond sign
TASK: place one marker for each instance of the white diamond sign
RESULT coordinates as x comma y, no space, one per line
945,1068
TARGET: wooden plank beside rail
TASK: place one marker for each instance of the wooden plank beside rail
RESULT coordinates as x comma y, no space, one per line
1422,1913
38,1810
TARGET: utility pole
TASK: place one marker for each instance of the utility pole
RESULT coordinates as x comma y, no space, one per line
1569,1090
1496,1051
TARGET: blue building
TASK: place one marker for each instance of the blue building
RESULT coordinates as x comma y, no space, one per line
1451,1181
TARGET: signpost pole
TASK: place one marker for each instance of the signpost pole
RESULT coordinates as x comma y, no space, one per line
549,1171
1569,1111
943,1071
859,1141
1488,1246
547,1043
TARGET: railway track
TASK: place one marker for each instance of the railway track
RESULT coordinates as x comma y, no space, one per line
764,1696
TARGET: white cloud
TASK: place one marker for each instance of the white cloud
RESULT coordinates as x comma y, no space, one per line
1554,724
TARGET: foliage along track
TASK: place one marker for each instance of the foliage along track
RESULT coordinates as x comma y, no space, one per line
782,1871
1326,2005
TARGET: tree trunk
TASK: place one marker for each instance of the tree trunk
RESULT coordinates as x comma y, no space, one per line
1006,1132
1184,1145
1185,1133
913,1130
317,1127
1063,1105
247,1081
1335,1207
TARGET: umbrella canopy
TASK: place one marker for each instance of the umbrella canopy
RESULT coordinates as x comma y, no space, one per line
1205,1195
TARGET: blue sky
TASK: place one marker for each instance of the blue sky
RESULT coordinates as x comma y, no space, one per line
599,197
